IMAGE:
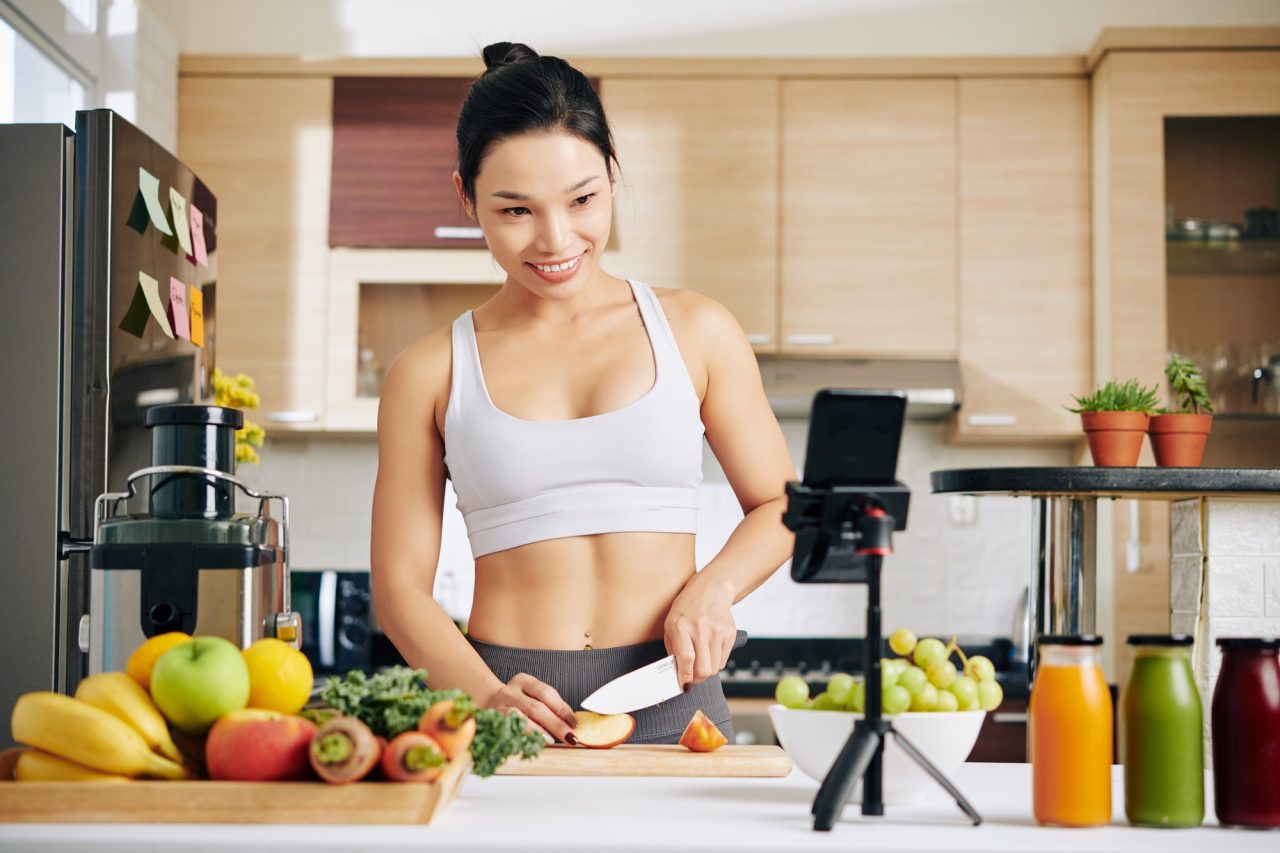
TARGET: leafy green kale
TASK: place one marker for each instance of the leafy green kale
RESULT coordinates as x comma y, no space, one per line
394,700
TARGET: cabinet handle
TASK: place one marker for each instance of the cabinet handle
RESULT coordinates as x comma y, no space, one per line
759,340
1010,717
810,340
992,420
455,232
296,416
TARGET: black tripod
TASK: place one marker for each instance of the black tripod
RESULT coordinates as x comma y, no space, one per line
846,532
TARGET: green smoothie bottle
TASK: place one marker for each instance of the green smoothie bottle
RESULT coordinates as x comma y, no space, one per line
1161,739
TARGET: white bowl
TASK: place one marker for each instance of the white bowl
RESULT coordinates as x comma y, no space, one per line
813,739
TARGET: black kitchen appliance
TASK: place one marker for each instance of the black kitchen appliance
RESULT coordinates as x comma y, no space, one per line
338,632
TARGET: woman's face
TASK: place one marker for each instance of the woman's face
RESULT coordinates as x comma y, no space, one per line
544,201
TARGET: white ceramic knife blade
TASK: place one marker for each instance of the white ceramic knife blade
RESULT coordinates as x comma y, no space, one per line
640,688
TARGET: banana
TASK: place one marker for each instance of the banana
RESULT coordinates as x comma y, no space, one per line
122,697
87,735
35,765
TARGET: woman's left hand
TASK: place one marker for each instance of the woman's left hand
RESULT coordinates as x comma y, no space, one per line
700,630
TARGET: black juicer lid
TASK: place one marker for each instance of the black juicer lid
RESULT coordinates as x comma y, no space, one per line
184,414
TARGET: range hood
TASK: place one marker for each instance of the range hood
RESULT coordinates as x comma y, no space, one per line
932,386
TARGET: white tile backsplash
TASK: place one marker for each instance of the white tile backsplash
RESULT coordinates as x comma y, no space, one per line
944,577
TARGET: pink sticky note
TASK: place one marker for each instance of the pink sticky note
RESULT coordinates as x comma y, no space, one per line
197,236
178,309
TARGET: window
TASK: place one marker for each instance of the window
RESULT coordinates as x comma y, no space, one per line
34,88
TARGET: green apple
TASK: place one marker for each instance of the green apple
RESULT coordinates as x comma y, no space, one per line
195,683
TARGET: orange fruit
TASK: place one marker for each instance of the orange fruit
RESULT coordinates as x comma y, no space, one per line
144,657
280,676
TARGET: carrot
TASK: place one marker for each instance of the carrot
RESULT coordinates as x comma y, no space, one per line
413,757
343,750
452,724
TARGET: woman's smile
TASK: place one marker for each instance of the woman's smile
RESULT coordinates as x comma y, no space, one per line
557,271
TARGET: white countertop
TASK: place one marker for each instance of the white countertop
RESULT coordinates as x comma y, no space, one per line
522,813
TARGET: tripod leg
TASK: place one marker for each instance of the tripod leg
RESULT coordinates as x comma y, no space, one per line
918,757
849,766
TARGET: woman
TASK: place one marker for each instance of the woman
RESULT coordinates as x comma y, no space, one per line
569,411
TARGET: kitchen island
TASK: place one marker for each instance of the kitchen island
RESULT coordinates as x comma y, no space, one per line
523,813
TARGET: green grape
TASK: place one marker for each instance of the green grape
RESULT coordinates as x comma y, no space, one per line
895,700
965,689
928,652
792,691
926,699
858,698
902,641
840,688
888,674
990,695
914,679
824,702
981,668
941,674
946,702
975,705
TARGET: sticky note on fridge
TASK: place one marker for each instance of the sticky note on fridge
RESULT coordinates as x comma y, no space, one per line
135,319
178,308
201,251
149,190
151,289
178,210
197,317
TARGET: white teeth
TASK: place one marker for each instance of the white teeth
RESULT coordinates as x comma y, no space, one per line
558,267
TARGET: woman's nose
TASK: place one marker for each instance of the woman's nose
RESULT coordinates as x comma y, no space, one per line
553,234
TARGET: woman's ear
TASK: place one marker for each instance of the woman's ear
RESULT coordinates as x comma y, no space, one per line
462,196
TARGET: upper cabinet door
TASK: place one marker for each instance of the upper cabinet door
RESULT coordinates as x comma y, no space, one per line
869,218
394,154
263,145
1024,256
697,200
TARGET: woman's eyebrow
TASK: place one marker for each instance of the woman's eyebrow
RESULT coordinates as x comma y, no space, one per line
515,196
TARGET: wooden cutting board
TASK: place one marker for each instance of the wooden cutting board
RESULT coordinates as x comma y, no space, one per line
652,760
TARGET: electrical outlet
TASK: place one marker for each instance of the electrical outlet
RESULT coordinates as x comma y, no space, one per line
964,509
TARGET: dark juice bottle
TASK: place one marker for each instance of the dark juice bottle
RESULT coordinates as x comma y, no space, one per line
1246,733
1161,739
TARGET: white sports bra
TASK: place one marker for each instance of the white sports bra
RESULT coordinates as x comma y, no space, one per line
634,468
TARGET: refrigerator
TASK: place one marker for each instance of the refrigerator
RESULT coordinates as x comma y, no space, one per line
83,216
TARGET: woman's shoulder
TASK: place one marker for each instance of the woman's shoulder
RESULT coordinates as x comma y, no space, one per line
422,369
703,318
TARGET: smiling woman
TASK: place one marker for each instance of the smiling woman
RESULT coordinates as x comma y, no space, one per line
569,411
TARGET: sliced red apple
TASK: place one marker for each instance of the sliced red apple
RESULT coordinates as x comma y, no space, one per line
601,731
701,735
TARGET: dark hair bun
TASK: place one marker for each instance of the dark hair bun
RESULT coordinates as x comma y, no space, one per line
507,53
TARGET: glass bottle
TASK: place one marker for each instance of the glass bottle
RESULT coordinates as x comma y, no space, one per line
1246,732
1161,735
1069,731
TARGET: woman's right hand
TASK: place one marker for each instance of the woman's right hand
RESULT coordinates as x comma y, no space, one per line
540,704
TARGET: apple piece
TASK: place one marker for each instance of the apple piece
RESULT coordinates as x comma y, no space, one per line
601,731
197,682
258,745
701,735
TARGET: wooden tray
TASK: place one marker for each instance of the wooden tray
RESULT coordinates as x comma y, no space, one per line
653,760
226,802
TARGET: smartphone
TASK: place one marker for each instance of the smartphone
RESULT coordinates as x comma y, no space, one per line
854,438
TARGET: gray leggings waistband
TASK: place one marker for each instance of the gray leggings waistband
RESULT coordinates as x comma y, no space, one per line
576,674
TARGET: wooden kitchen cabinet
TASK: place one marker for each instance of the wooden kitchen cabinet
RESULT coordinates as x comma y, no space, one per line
1024,298
263,145
869,218
697,200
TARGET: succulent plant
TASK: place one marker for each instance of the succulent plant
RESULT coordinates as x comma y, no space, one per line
1189,393
1115,396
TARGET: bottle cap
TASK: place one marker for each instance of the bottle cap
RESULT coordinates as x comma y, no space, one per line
1161,640
1252,644
1070,640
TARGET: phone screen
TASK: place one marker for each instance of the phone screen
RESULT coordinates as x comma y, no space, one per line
854,437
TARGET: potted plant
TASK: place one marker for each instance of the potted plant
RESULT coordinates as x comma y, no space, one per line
1178,437
1115,418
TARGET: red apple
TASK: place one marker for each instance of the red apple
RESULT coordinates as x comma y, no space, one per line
257,745
601,731
701,735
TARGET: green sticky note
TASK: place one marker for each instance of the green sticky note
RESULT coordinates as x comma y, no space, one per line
149,187
151,289
138,216
135,319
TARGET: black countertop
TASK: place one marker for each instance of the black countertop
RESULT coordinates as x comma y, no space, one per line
1147,483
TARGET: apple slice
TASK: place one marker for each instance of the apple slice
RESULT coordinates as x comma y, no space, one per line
701,735
601,731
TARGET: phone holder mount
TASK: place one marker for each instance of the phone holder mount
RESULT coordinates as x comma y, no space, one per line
843,534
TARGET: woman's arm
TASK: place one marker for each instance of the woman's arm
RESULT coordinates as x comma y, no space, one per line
744,435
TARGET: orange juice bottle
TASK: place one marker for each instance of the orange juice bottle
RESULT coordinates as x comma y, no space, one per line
1069,734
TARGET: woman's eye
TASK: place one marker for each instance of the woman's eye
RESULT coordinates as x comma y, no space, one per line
584,199
515,211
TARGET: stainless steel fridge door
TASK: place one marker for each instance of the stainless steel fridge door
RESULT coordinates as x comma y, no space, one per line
36,184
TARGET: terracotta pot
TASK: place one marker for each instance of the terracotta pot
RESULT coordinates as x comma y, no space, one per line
1178,440
1115,438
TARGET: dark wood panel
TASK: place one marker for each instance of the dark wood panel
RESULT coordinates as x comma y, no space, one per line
394,154
1003,739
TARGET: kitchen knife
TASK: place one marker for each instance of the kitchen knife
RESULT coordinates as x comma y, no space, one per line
640,688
